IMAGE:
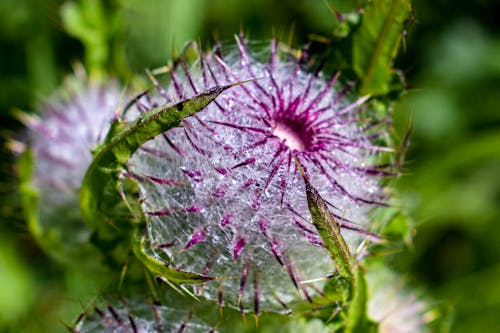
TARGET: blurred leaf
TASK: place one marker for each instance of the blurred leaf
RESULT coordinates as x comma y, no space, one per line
376,43
472,301
16,285
156,27
97,25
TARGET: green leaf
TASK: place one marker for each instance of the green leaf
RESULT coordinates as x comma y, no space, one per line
376,43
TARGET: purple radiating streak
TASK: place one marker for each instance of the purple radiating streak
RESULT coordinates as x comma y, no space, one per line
256,292
245,89
58,113
172,145
249,182
252,146
263,225
292,107
177,87
47,155
220,191
155,152
188,75
115,315
248,161
282,303
220,297
273,172
196,176
245,58
163,181
198,235
203,70
243,279
200,150
274,242
226,219
283,182
278,96
343,92
303,227
132,323
209,265
289,268
170,211
158,87
242,128
166,245
156,312
141,107
319,97
272,56
330,179
275,249
222,171
303,287
238,247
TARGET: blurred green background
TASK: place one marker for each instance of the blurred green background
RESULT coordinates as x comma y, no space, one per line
451,184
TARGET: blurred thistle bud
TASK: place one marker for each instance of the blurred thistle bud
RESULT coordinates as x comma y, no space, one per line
60,138
140,316
223,195
396,308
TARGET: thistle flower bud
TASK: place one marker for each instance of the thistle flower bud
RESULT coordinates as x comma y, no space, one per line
132,316
394,306
223,195
61,139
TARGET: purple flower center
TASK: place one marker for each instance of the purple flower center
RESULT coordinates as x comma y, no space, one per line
293,133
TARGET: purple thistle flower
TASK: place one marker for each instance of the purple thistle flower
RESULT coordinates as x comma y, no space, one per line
67,130
69,126
396,308
225,190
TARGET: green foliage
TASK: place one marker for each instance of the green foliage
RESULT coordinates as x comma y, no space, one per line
376,43
98,27
449,183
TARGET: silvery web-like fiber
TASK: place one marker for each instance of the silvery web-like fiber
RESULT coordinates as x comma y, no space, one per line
222,193
141,317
